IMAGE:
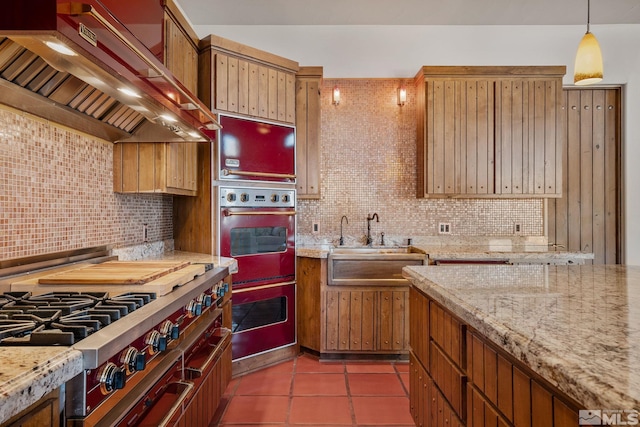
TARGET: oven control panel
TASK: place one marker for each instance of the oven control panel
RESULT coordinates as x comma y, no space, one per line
241,197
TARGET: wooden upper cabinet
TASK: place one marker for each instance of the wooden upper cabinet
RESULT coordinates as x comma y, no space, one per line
307,105
150,167
489,131
240,79
180,47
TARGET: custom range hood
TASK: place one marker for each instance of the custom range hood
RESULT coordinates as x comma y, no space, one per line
76,64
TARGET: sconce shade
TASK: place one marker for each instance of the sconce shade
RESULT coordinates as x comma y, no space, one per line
335,97
588,67
402,96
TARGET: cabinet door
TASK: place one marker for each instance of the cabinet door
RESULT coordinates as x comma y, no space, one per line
457,157
393,320
529,135
350,320
307,120
175,165
181,55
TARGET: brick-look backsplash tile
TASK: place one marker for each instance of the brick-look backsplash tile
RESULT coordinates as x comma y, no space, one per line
368,151
56,192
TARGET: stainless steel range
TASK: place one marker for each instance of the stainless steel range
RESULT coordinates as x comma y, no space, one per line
148,359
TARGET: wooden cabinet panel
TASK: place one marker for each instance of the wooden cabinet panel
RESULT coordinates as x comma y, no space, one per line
44,413
254,93
541,406
489,131
521,398
181,54
221,82
449,379
563,416
366,321
419,329
528,136
505,387
307,119
243,87
447,332
233,84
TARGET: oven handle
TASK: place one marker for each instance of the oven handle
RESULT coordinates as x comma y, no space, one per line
261,213
262,174
220,346
177,405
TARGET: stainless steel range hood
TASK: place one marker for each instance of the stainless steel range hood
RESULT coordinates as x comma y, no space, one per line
58,59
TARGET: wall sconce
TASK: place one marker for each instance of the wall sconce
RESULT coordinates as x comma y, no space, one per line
335,100
402,95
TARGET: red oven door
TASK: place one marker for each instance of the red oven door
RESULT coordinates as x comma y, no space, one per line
262,319
262,240
256,151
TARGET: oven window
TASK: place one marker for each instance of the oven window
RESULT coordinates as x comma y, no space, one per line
256,314
258,240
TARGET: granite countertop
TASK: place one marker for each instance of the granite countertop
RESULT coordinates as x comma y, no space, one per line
511,253
576,326
29,373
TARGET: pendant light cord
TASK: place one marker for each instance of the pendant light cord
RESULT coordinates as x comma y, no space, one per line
588,14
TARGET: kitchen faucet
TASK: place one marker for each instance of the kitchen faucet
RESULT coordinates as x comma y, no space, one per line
344,217
369,219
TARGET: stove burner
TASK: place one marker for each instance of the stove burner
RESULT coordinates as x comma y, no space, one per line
61,318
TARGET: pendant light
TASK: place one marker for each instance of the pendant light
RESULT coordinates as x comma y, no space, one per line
588,68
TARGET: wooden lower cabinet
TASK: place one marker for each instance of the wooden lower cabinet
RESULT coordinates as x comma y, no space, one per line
463,379
44,413
366,320
349,319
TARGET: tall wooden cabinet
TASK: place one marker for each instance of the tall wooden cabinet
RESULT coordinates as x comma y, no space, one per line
308,84
489,131
243,80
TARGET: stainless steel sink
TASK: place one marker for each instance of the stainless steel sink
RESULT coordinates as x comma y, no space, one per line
370,266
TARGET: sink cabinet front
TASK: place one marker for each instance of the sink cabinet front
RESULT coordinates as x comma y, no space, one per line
362,319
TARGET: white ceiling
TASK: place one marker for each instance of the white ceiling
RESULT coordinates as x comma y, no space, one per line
409,12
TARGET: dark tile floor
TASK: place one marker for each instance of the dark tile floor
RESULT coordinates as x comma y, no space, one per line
309,393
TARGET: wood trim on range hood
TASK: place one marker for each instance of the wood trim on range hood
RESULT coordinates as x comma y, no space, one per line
107,57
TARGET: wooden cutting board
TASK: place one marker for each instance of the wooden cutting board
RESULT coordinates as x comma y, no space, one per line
114,273
161,285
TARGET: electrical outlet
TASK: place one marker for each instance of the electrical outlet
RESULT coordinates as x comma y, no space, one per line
315,229
444,228
145,233
517,228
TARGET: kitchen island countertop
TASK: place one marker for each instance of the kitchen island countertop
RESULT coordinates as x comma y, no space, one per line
29,373
576,326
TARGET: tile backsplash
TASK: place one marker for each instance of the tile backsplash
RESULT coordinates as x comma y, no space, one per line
56,192
368,164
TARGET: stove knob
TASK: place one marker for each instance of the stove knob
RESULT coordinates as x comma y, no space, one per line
204,300
133,360
170,329
194,308
244,197
111,378
285,198
275,198
156,342
231,197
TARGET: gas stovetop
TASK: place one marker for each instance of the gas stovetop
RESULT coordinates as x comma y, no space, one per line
62,318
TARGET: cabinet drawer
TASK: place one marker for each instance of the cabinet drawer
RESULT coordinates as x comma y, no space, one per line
449,379
447,332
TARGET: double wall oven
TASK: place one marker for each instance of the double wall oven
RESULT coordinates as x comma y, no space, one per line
256,225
